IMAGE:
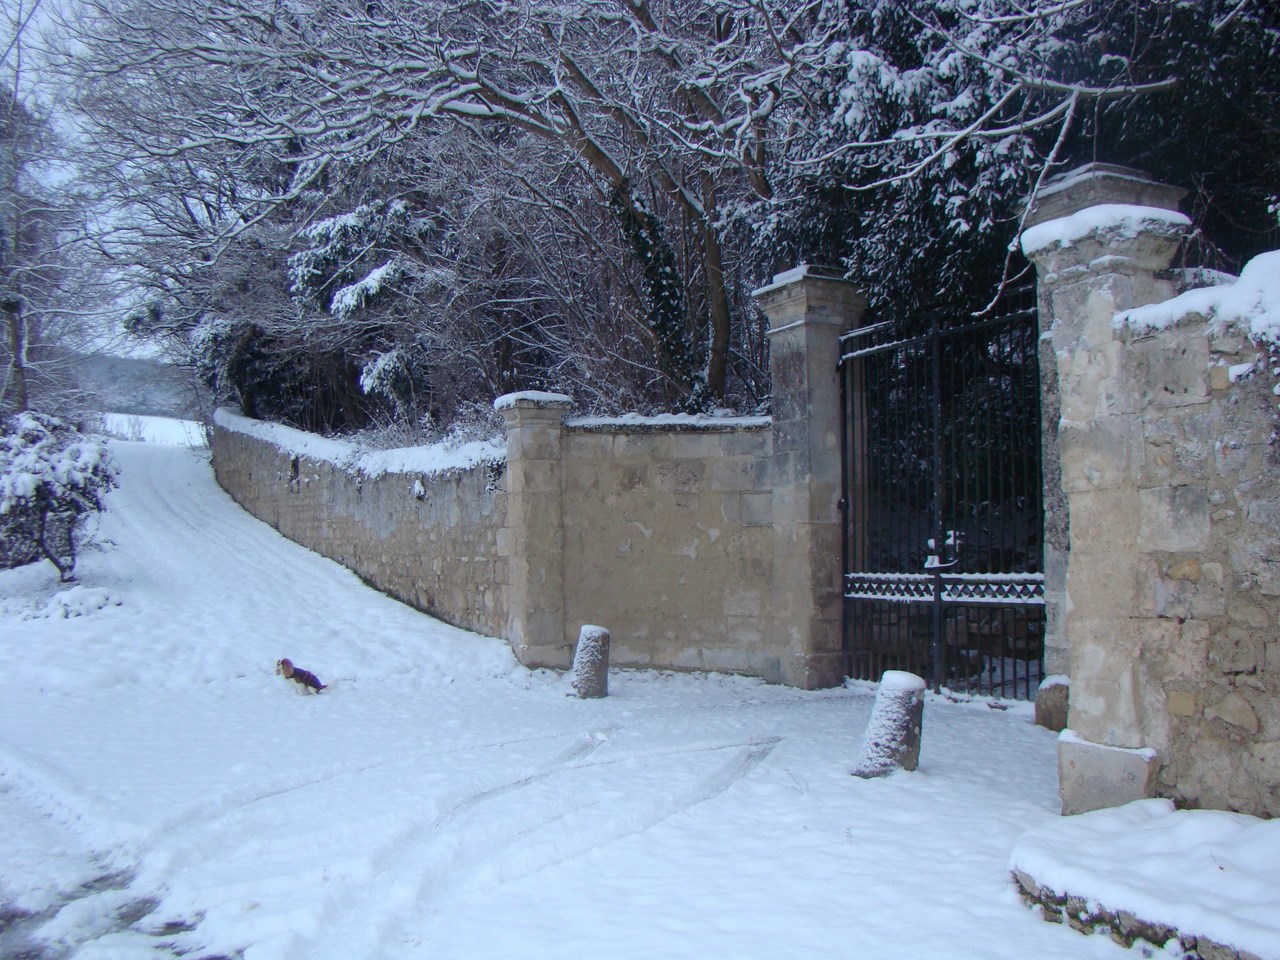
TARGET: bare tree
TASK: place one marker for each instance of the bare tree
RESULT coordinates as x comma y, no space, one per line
676,150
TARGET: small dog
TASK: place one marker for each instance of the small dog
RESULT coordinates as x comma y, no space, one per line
307,681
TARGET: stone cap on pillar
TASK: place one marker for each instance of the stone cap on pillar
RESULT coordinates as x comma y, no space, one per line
1103,217
810,294
1098,183
532,404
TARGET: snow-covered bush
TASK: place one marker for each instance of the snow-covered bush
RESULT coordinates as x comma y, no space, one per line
51,478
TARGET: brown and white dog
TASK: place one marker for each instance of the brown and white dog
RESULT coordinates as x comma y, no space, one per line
307,681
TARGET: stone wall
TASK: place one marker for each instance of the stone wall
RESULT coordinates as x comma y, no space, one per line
669,543
1207,571
1172,489
661,532
699,543
432,538
707,545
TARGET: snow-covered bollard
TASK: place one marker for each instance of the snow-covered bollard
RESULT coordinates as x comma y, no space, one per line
893,733
591,663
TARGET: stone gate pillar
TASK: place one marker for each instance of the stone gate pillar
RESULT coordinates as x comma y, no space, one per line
807,314
535,528
1099,237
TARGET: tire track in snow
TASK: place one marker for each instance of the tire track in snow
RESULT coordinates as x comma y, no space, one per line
43,787
192,525
234,825
369,917
436,869
207,814
205,527
736,769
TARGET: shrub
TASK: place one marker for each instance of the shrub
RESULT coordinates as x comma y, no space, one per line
51,478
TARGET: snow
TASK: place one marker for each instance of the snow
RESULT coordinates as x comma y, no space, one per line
688,421
163,793
901,681
45,461
430,460
795,273
539,397
1115,219
1240,371
1252,302
1070,736
351,299
129,426
1204,872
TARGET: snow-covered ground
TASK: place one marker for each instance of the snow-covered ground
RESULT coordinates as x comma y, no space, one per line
167,430
163,793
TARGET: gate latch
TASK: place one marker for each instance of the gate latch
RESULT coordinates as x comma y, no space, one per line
953,541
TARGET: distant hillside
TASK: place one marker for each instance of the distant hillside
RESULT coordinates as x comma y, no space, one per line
142,387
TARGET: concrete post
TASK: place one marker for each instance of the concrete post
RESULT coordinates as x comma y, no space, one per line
535,527
591,663
807,314
1099,237
892,740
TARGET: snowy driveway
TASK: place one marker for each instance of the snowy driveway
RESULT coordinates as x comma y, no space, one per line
439,801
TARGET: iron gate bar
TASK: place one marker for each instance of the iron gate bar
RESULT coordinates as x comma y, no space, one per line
936,542
924,337
983,484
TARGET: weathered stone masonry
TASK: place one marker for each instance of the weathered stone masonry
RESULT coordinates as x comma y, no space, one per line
663,535
1171,483
704,545
441,550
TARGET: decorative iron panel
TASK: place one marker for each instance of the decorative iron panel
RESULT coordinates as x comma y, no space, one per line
942,499
956,588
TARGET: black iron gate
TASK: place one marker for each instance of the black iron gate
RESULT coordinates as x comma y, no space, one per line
941,496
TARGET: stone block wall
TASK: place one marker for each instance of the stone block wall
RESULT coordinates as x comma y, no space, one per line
700,544
668,541
1170,482
661,532
1200,509
435,541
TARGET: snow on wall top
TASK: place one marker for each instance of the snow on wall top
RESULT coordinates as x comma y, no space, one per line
1091,171
667,421
1207,873
432,459
1252,301
1117,219
537,397
782,279
794,274
1070,736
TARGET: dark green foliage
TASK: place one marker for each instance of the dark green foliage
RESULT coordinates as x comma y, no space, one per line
1216,132
1204,114
665,288
275,377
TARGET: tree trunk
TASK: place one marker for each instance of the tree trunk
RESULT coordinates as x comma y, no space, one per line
65,568
664,285
717,301
17,356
